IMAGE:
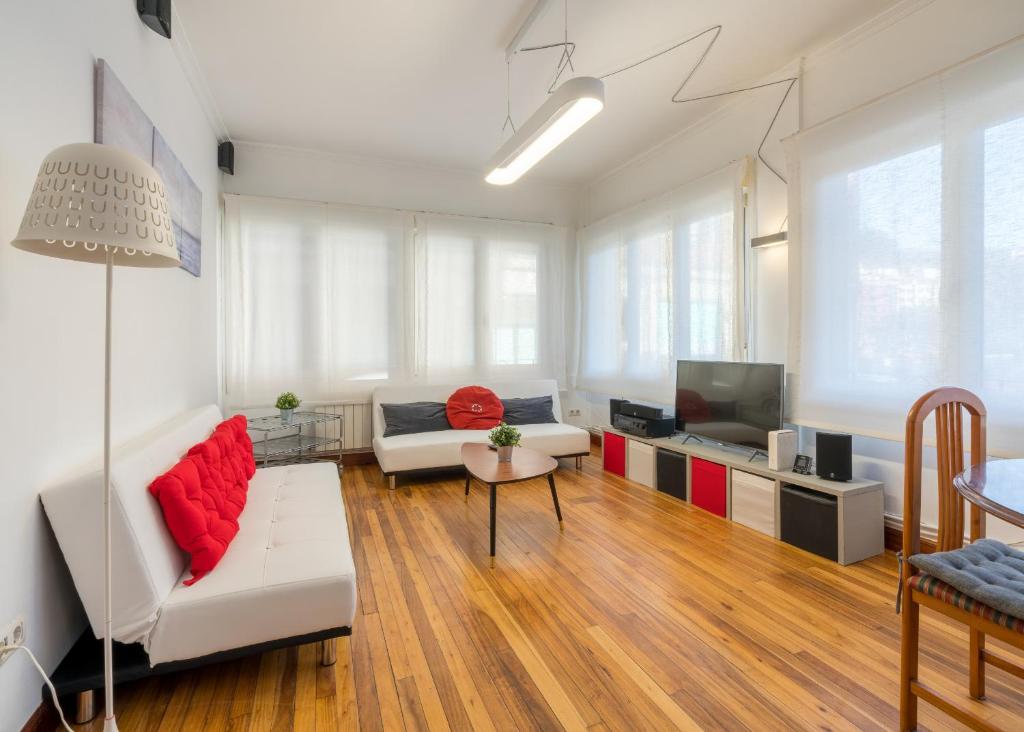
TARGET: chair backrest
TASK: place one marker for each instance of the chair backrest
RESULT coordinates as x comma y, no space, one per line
948,404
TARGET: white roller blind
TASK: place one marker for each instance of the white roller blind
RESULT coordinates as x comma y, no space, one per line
314,301
328,300
907,253
491,300
658,283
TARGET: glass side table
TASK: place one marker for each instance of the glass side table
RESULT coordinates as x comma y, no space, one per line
301,440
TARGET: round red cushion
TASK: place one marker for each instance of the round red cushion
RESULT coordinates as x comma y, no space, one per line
474,408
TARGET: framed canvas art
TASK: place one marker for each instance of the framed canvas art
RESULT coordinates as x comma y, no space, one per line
120,121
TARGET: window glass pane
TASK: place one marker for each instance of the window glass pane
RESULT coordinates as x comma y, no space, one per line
877,309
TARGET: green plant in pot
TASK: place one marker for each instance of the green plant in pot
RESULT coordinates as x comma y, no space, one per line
505,437
287,403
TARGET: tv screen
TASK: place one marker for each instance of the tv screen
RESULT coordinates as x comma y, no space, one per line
733,402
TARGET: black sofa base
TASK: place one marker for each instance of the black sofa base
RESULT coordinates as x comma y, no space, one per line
82,667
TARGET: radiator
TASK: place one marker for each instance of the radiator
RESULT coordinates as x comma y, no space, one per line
358,429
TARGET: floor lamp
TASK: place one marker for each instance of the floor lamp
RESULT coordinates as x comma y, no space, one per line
100,204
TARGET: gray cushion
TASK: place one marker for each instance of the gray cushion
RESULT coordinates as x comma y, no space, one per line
987,570
531,410
414,417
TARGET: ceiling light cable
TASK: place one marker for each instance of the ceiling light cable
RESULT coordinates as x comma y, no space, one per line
568,48
508,99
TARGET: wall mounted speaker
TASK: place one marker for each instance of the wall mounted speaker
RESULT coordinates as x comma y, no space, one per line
157,15
834,456
226,157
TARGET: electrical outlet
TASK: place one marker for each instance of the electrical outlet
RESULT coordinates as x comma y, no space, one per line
574,412
13,635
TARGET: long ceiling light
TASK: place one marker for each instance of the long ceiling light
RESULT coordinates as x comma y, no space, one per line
570,107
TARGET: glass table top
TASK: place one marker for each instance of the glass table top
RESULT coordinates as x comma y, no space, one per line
996,486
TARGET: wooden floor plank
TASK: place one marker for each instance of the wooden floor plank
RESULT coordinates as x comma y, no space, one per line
644,613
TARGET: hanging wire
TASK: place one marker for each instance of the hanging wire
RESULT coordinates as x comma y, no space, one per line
568,48
508,98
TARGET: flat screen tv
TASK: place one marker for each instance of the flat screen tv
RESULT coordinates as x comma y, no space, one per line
731,402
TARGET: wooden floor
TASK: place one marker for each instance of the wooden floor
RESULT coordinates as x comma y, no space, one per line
645,613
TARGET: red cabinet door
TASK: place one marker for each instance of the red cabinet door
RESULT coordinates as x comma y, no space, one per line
614,454
707,486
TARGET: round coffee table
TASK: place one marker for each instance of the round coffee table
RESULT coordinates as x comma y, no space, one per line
482,463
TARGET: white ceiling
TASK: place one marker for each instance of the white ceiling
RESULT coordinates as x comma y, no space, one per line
424,82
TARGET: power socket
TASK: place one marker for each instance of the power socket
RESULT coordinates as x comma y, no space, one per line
574,412
13,635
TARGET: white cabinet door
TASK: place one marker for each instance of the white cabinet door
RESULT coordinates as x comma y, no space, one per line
753,501
640,464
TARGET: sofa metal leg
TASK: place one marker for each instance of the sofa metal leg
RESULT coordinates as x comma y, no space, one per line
328,652
391,482
85,706
579,462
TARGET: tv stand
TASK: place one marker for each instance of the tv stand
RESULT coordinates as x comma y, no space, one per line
840,521
756,454
689,437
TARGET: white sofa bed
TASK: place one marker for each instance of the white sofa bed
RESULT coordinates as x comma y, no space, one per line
442,449
288,576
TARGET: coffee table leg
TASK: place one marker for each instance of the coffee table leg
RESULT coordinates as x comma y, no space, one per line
554,497
494,505
467,484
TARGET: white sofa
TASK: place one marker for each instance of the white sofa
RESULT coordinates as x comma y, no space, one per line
432,450
288,576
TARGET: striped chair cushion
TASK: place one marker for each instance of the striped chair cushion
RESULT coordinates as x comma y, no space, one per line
947,593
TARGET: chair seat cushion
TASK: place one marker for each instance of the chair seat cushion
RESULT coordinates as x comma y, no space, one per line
947,593
986,572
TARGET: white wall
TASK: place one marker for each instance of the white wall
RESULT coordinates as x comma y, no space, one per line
51,311
269,170
913,39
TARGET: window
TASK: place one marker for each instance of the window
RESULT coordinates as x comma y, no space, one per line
910,253
659,283
492,295
330,300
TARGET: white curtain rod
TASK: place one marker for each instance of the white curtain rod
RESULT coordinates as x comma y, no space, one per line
935,74
395,210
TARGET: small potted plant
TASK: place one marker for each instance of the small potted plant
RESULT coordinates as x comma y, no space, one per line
287,403
505,437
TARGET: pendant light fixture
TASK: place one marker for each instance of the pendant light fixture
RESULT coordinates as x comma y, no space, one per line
570,107
566,109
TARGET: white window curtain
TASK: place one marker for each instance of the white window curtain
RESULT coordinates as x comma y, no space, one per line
490,299
314,301
330,300
661,282
907,253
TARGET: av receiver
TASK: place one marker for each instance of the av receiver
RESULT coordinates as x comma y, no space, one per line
641,420
643,426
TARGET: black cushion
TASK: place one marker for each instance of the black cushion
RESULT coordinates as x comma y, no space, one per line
413,417
533,410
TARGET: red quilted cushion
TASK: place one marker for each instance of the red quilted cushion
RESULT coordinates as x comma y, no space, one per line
226,476
474,408
201,524
240,428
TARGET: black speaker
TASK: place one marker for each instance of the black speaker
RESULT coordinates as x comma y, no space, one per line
226,157
834,456
157,15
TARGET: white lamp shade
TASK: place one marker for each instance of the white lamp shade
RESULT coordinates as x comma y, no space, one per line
92,199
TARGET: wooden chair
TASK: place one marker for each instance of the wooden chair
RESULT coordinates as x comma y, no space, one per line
948,405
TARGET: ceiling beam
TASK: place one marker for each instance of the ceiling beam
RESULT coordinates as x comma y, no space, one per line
517,40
